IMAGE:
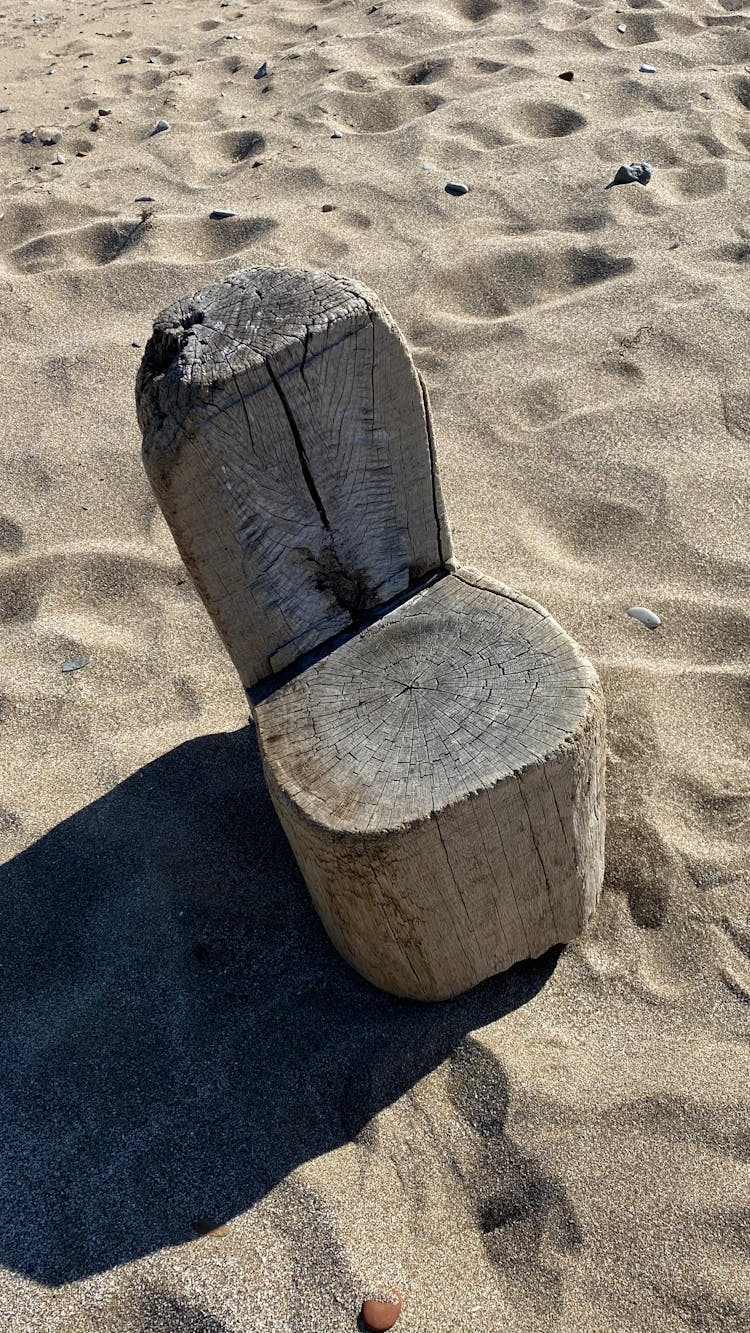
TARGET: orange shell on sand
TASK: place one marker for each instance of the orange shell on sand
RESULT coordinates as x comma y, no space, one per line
381,1312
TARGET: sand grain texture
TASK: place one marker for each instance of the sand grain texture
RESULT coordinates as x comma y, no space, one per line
566,1148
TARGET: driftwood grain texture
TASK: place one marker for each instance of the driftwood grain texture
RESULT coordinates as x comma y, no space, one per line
433,742
440,778
286,436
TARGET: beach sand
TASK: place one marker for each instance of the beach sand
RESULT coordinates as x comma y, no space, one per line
567,1147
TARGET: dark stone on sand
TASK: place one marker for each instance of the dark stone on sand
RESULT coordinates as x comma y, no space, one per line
217,214
328,208
261,73
639,172
568,75
27,136
456,188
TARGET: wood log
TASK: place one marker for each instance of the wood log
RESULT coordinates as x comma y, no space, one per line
433,742
440,778
286,435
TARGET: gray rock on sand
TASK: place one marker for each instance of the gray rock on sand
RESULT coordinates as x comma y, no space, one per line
4,108
261,73
27,136
337,134
647,69
637,171
645,615
217,214
160,127
58,161
456,188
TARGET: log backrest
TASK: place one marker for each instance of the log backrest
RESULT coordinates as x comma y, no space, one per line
287,437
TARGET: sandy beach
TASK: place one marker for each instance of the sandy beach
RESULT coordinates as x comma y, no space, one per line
566,1147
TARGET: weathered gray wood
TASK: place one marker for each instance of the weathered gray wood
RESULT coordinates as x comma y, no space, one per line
440,778
286,435
439,772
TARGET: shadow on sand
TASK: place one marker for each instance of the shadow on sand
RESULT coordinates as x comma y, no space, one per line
178,1032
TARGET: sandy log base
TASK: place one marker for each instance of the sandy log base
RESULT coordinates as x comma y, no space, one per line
440,778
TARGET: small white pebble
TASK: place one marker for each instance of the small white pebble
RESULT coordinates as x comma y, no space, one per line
647,617
58,161
621,27
337,134
648,69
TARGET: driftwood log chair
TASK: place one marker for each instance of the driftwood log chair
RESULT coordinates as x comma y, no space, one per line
433,743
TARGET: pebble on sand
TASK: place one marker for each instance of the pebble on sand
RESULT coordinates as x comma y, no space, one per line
645,615
27,136
160,127
124,60
328,208
648,69
261,73
144,199
380,1312
4,108
337,134
456,188
58,161
567,75
218,213
639,172
75,664
621,27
